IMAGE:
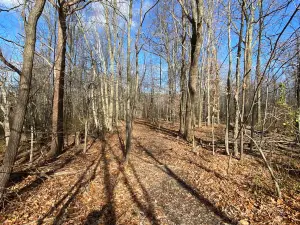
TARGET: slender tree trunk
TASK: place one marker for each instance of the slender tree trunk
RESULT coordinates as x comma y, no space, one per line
58,95
228,88
298,88
237,89
5,107
208,69
257,102
23,95
248,56
31,144
200,97
93,99
247,73
182,78
208,100
111,69
128,88
85,135
258,70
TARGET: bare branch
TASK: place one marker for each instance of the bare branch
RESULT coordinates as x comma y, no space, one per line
8,64
53,4
185,11
10,9
81,7
10,41
148,12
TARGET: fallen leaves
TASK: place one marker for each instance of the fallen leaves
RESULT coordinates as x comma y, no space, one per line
164,181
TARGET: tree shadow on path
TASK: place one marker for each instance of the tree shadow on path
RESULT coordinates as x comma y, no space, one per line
64,202
186,186
107,213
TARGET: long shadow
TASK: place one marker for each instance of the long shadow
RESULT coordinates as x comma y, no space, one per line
161,129
90,178
187,187
19,176
71,194
91,144
148,209
218,143
96,215
107,214
218,175
121,141
40,178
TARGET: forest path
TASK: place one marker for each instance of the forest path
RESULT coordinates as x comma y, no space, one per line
180,202
94,188
164,182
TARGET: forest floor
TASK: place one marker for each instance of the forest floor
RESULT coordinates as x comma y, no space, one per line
165,182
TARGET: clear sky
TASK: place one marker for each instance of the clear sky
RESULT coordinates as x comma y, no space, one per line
11,28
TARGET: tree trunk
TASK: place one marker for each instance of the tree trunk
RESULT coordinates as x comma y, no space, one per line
93,98
58,94
258,72
257,100
228,88
128,88
248,56
196,42
111,70
85,135
31,144
298,88
182,79
247,73
5,107
23,95
237,90
200,97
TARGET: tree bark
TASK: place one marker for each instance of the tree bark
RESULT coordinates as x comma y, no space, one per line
298,88
5,107
257,103
182,78
237,88
258,69
23,95
196,42
228,88
58,95
247,71
128,88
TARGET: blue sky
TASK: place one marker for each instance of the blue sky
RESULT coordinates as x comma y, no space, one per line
11,27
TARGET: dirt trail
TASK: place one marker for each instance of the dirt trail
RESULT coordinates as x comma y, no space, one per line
181,204
163,183
94,189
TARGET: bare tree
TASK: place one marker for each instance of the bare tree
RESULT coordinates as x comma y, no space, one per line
228,88
129,85
64,9
196,41
237,86
23,94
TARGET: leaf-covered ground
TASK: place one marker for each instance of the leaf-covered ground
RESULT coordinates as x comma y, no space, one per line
165,182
